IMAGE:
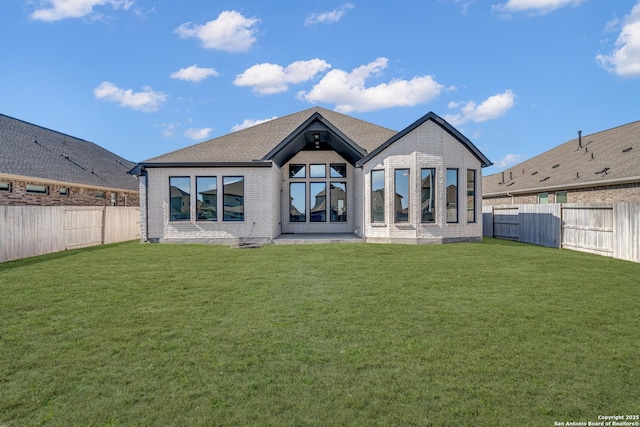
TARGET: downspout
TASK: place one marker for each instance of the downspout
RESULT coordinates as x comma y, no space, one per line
146,205
510,195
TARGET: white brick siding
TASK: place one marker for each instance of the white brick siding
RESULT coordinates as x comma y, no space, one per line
427,146
259,206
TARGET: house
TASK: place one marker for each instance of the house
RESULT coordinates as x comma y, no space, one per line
603,167
39,166
317,171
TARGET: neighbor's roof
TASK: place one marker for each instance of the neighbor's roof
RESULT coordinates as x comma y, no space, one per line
256,142
33,151
603,158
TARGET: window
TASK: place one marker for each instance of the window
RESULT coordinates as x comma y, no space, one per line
318,203
180,198
401,196
37,189
543,198
233,193
297,202
5,186
338,170
338,202
428,184
561,197
100,195
64,191
206,198
452,195
297,171
377,196
471,195
318,171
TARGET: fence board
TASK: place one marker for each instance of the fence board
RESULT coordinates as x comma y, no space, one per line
626,222
588,228
27,231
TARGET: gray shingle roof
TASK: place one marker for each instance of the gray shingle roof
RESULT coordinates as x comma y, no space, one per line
256,142
606,157
33,151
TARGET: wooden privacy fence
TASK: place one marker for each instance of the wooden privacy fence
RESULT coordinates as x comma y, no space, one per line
36,230
604,229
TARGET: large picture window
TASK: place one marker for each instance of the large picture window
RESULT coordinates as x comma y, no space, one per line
452,195
428,187
401,196
180,198
377,196
233,195
297,202
207,198
318,201
471,195
338,192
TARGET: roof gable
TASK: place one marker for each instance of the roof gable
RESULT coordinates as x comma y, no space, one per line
316,133
438,121
274,140
33,151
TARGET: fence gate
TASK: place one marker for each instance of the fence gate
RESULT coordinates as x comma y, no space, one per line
588,229
505,223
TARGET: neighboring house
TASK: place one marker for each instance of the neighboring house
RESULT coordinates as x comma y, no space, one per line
39,166
597,168
318,171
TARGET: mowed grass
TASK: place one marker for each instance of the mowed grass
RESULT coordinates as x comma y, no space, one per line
490,334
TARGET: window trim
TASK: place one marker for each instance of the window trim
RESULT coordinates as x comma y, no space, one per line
189,209
8,188
434,195
42,190
198,218
304,186
224,219
371,192
473,207
457,198
395,191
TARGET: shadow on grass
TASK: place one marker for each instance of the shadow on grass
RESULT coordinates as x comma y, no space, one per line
24,262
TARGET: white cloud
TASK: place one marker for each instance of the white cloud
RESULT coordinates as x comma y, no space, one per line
247,123
509,160
194,73
493,107
230,32
197,134
55,10
535,6
147,100
349,93
329,17
267,79
625,58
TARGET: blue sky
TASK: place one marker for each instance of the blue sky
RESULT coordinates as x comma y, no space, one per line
145,77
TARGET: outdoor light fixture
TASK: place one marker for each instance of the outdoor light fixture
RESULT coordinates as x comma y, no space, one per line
316,138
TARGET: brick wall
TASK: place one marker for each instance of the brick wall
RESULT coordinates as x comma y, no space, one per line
427,146
258,207
621,193
77,196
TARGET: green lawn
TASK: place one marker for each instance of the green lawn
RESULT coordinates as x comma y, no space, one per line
487,334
